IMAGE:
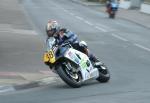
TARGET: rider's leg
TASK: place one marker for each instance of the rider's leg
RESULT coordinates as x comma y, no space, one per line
96,61
91,56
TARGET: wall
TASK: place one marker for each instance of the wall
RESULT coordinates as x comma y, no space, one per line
145,8
125,4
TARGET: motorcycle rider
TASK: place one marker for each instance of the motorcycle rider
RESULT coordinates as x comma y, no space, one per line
64,35
108,3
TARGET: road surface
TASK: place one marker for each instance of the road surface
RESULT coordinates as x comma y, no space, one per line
122,45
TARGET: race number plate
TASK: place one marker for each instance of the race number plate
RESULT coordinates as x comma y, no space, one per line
49,57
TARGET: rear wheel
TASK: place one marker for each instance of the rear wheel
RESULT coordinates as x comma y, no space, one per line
104,74
70,75
112,15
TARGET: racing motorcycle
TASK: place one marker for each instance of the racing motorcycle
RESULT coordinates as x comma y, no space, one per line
73,66
112,9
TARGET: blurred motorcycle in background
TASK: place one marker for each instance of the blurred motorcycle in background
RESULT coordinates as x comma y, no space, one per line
112,8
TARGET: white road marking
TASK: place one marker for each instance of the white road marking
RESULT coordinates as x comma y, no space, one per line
142,47
65,10
20,31
87,22
9,29
6,89
78,17
106,27
119,37
72,14
101,29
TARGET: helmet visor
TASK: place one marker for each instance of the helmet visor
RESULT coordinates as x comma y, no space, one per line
50,33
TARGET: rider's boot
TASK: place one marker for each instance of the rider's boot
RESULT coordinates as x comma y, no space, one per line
95,60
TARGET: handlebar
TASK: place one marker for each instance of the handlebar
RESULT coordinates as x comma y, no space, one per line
65,44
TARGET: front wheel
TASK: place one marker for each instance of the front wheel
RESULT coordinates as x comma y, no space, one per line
104,74
69,76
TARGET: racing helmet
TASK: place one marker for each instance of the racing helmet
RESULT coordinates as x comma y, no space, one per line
52,27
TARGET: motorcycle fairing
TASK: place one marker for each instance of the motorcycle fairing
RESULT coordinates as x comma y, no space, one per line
49,57
84,63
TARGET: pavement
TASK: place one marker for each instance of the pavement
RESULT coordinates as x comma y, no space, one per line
132,15
15,29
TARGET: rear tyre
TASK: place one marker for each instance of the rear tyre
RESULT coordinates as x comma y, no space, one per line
112,15
67,77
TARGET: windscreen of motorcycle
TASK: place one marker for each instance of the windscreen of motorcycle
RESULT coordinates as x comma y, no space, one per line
49,55
49,43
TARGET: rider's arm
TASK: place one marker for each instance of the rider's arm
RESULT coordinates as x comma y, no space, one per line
71,37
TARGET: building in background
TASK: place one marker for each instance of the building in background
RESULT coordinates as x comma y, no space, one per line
131,3
145,6
142,5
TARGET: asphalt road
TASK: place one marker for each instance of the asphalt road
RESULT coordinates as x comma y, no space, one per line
122,45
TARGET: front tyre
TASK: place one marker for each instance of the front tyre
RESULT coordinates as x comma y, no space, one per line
104,75
66,75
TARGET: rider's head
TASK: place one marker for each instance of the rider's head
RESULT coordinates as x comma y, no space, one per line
51,28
